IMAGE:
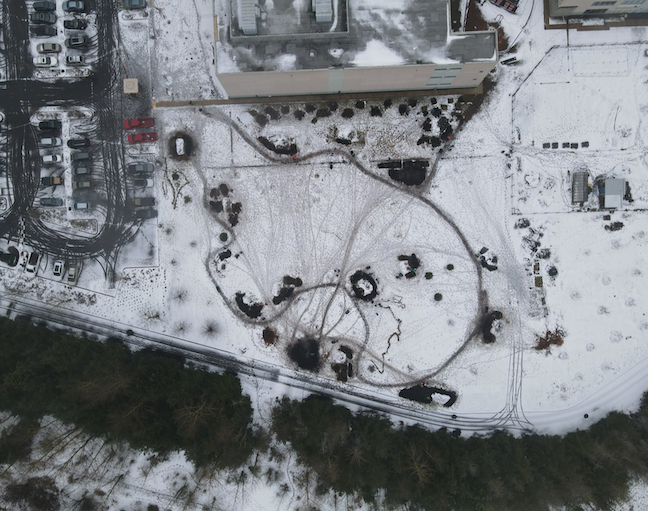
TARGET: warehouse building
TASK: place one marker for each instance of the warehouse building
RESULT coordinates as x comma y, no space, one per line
567,8
301,47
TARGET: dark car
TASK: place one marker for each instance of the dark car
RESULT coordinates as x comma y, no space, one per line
44,6
80,184
51,201
140,169
78,143
9,258
82,171
74,6
144,201
80,156
145,213
51,181
76,42
44,31
75,24
50,124
135,4
43,18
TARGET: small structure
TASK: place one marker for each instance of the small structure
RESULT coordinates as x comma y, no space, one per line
248,16
580,188
323,11
131,86
613,192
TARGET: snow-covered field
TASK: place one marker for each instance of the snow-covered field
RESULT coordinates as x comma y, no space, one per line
331,212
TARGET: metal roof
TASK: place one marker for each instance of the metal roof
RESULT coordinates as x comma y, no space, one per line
247,16
580,190
614,192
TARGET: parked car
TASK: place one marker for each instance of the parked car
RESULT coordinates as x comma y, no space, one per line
52,158
135,4
72,275
81,184
80,156
48,48
144,201
42,18
81,171
51,201
142,122
51,181
74,6
59,267
50,124
44,6
75,24
78,143
75,60
44,31
50,141
32,263
9,258
140,168
144,214
143,183
81,205
80,41
137,138
45,61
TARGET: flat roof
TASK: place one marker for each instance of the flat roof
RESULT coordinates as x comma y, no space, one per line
363,33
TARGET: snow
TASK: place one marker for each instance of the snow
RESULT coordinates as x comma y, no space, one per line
321,218
377,54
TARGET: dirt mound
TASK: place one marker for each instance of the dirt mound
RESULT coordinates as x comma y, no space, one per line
364,286
305,353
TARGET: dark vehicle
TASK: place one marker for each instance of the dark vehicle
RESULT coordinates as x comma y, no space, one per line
78,143
75,24
140,168
135,4
81,184
73,6
145,214
44,6
51,124
142,122
144,201
9,258
137,138
43,18
51,201
76,42
143,183
80,156
51,181
75,60
44,31
81,171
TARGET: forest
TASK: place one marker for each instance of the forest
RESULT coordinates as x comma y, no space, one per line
157,402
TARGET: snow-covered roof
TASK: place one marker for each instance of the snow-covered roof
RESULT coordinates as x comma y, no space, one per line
580,190
362,33
614,192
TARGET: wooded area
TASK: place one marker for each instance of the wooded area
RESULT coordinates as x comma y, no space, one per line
151,400
443,471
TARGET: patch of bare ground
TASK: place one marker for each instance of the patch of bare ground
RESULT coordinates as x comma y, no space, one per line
550,338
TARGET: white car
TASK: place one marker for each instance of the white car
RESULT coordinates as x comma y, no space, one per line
59,266
33,263
50,141
45,61
52,158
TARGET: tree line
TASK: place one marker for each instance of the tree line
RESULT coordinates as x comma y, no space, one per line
155,401
149,399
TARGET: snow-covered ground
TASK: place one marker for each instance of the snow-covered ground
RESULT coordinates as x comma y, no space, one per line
331,212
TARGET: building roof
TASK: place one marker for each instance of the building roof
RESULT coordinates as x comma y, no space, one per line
362,33
580,189
614,192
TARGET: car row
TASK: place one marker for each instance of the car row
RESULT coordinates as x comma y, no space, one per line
72,274
69,6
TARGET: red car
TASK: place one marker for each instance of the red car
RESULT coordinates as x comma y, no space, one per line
143,122
136,138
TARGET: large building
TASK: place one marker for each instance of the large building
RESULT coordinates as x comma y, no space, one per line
569,8
299,47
